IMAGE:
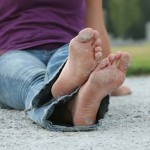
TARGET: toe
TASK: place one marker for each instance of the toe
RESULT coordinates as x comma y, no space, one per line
98,49
86,35
111,58
107,61
97,42
98,56
103,64
125,61
118,55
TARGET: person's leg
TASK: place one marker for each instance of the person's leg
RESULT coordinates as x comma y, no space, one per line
108,75
52,113
19,73
47,110
30,81
84,55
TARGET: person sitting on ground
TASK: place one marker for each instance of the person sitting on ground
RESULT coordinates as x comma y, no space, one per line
53,67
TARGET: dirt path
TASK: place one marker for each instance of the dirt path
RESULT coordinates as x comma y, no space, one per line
126,126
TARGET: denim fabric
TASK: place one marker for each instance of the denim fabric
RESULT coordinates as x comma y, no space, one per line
26,78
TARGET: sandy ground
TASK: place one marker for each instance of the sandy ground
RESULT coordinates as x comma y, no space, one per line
125,127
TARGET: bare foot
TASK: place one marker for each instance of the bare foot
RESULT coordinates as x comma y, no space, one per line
122,90
107,76
85,53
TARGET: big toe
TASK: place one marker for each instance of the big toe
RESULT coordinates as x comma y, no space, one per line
125,62
86,35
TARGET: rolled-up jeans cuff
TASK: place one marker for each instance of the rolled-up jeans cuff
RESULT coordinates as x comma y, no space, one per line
43,95
42,114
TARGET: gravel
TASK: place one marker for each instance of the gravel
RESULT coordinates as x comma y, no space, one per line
126,126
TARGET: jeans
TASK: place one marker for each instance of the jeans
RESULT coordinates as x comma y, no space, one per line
26,78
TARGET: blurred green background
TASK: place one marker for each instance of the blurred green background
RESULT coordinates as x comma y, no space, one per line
126,23
140,56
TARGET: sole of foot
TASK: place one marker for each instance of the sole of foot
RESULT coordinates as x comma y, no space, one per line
85,53
107,76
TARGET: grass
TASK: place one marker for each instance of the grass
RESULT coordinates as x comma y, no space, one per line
140,55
